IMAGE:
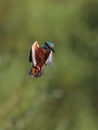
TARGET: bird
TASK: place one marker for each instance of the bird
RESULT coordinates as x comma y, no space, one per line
40,56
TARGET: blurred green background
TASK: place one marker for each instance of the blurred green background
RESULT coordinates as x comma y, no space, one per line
66,97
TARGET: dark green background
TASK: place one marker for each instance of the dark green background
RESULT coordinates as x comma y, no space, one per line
66,97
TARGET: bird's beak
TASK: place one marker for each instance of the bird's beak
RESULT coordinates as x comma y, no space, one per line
53,50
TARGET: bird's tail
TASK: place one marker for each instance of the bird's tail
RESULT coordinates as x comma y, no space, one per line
35,72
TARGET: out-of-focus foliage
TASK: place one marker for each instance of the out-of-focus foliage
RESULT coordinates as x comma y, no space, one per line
65,98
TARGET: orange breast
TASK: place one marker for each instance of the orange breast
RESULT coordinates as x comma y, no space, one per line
41,56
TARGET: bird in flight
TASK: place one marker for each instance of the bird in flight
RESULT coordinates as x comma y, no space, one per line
40,56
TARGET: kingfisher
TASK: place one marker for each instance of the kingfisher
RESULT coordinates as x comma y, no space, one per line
40,56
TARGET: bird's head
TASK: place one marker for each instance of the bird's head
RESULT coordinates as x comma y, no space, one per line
49,45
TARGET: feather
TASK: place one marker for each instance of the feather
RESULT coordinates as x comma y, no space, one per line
30,55
35,47
49,60
35,73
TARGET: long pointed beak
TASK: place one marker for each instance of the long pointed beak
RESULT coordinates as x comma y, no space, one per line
53,50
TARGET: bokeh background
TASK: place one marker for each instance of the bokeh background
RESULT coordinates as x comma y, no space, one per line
66,97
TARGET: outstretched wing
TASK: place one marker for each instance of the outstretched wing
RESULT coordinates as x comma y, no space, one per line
34,48
30,56
49,60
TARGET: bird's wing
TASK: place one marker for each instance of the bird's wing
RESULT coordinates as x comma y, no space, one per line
35,47
49,60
